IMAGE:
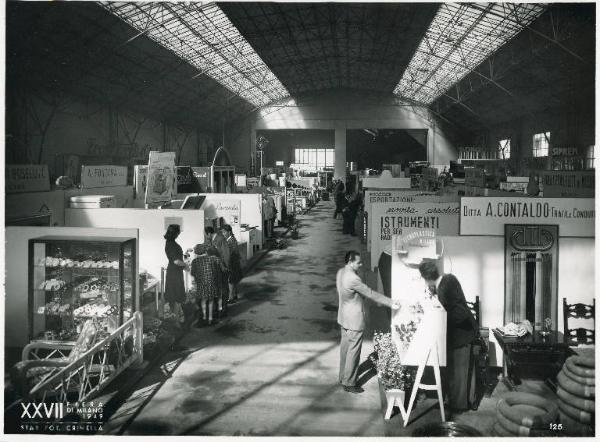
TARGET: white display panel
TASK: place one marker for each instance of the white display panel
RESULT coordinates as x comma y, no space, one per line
420,324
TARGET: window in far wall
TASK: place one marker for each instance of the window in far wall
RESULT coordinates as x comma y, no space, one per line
541,143
589,160
314,158
504,149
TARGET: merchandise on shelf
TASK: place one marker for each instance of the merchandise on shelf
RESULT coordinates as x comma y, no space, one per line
73,279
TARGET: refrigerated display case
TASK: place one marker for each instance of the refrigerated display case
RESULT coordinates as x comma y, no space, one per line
73,279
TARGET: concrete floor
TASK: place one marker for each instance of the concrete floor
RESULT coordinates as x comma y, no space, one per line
271,367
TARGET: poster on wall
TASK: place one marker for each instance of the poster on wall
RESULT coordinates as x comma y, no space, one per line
140,179
393,219
186,181
488,215
161,177
27,178
103,176
562,184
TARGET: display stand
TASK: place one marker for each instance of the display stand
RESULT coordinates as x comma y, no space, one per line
431,358
419,327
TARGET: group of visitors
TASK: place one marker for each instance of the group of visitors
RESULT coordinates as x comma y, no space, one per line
215,268
347,202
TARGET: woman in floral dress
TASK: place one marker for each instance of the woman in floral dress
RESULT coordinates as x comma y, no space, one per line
234,264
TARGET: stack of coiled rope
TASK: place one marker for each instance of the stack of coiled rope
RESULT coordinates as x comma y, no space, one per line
524,414
576,395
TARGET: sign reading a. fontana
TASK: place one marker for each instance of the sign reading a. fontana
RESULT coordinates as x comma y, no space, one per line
487,216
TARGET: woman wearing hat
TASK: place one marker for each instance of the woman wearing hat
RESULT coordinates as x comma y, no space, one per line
174,285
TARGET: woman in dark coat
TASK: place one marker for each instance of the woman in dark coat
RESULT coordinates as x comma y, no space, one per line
460,333
234,265
174,285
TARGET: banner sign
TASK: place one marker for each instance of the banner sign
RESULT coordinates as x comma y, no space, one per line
514,187
27,178
103,176
560,184
488,215
161,177
229,210
393,219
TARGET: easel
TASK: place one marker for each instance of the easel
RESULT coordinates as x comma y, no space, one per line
396,397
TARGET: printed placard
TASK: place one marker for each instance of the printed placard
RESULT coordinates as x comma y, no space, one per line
27,178
161,177
488,215
392,219
103,176
401,196
140,179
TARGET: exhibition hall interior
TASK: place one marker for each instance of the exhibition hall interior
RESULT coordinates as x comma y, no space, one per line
299,219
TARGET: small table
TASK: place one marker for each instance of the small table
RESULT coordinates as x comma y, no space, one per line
537,355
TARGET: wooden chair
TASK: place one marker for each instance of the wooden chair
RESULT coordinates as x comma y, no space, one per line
475,308
579,335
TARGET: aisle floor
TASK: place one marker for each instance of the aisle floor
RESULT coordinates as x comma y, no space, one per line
271,367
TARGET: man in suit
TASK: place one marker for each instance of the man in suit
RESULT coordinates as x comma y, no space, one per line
460,333
351,291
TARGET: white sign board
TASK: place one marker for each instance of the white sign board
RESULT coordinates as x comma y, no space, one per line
27,178
229,210
161,177
103,176
391,219
401,196
488,215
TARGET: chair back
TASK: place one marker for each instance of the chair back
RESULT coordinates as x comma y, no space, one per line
578,335
85,340
475,308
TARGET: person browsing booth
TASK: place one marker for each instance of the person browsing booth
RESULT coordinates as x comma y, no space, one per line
351,292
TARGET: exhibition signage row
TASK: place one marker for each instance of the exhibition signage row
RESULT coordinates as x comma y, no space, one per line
27,178
561,184
392,219
103,176
488,215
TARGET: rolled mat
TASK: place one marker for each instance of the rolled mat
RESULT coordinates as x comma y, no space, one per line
546,415
499,431
568,384
576,401
574,413
579,379
511,427
578,366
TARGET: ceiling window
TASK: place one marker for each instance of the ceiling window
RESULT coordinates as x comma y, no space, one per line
314,158
541,142
504,149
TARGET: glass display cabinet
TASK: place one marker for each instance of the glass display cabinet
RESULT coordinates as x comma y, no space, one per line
74,279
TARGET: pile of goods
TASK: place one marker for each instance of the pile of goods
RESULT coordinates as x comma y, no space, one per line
524,414
93,310
516,330
50,261
52,284
576,395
